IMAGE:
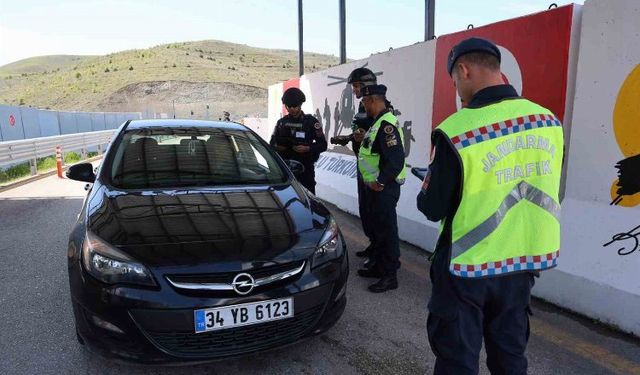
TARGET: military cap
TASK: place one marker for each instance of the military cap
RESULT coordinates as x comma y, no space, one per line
374,90
468,46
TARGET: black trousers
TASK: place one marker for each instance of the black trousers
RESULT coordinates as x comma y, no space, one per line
308,178
383,222
364,209
464,311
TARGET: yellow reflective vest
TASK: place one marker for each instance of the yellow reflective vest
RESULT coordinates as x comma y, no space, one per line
508,219
368,161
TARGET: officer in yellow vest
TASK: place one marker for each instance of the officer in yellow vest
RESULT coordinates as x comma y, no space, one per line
494,183
381,164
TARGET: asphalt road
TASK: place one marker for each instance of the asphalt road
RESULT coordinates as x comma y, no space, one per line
378,334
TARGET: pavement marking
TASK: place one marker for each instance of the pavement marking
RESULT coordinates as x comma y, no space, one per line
584,349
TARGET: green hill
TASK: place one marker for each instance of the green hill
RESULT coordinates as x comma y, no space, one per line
40,64
156,79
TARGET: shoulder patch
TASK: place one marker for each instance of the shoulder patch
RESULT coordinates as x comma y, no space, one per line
388,129
317,126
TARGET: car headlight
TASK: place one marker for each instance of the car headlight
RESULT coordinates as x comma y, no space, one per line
110,265
330,245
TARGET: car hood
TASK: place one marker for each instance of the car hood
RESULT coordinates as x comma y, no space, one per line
209,226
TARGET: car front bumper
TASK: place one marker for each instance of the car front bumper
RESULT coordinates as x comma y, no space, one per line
157,326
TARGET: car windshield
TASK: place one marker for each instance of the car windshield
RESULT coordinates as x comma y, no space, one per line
179,156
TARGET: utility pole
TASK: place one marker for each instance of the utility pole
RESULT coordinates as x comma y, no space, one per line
343,32
300,45
429,16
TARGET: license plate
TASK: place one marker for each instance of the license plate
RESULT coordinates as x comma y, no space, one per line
242,315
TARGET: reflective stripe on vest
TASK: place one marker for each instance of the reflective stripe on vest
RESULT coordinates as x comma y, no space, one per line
508,219
520,192
368,161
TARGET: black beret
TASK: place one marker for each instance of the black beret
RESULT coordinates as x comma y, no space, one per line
293,97
374,90
468,46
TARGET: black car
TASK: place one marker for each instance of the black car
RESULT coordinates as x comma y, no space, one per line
195,243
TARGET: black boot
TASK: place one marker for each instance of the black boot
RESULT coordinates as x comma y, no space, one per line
366,252
370,272
384,284
369,263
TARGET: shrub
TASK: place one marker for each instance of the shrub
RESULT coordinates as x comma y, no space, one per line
71,157
106,70
174,65
78,75
14,172
130,67
44,164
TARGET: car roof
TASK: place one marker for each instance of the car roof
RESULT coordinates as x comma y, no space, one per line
186,123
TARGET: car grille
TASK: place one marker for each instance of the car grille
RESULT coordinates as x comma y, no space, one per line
236,341
227,277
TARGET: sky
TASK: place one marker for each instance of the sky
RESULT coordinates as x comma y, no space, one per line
90,27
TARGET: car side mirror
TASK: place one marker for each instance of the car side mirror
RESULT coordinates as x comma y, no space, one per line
296,167
81,172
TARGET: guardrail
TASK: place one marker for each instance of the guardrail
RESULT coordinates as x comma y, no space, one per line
12,152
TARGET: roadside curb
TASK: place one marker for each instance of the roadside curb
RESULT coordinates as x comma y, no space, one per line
39,176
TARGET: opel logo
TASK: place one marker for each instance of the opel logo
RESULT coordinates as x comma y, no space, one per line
243,283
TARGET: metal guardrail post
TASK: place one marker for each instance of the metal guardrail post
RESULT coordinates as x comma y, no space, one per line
33,163
83,150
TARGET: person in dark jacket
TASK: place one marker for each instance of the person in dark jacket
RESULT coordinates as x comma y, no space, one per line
298,136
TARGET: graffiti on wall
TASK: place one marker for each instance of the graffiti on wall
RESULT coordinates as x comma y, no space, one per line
628,238
337,118
625,191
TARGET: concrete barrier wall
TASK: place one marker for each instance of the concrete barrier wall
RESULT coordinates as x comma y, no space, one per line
410,89
23,123
593,277
258,125
412,75
544,55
